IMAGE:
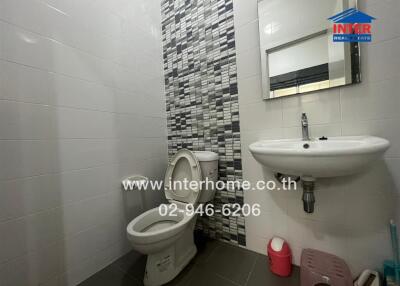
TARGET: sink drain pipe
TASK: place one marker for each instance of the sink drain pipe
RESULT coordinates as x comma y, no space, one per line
308,194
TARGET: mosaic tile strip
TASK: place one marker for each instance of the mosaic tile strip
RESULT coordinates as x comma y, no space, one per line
202,97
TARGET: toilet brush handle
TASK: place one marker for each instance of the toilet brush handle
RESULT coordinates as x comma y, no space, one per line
395,249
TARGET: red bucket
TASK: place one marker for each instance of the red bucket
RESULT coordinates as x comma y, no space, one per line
280,257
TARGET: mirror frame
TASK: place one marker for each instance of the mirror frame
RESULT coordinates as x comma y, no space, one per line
265,85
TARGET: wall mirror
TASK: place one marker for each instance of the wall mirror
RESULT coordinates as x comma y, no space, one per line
298,54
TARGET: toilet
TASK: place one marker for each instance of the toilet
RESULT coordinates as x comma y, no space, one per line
167,237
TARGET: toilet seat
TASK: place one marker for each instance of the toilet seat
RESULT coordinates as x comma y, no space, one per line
166,235
184,165
151,226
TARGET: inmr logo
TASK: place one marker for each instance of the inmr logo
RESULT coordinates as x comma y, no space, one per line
352,26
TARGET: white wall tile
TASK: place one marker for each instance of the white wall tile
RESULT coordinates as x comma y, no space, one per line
28,196
388,25
82,184
247,36
79,124
78,154
29,234
76,93
386,128
245,11
250,90
79,272
272,116
24,84
26,158
394,170
322,108
25,121
381,60
371,100
34,268
82,215
256,244
76,116
316,131
248,63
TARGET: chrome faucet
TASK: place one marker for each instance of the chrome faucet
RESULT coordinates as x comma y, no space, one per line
304,127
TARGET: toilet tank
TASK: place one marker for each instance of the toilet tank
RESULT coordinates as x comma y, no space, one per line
209,168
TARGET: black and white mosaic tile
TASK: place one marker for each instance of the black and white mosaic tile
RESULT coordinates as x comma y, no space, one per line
202,95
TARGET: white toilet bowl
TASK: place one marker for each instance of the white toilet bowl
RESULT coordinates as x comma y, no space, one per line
150,232
168,239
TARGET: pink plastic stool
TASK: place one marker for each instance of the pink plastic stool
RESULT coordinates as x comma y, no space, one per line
323,269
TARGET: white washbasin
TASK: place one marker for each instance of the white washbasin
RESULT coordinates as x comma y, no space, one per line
337,156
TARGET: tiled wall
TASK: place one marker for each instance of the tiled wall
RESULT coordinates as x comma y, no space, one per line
76,116
352,213
201,93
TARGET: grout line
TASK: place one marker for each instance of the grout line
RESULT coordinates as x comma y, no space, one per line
74,268
73,16
47,37
251,271
240,248
341,110
55,106
75,170
52,139
124,271
59,207
57,73
211,253
60,242
31,252
78,169
226,279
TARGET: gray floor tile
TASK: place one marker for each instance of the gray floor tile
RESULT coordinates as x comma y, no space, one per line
200,259
183,277
261,275
111,276
200,276
217,264
204,254
232,263
133,264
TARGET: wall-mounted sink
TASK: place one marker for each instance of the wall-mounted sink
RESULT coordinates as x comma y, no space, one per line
322,158
336,156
